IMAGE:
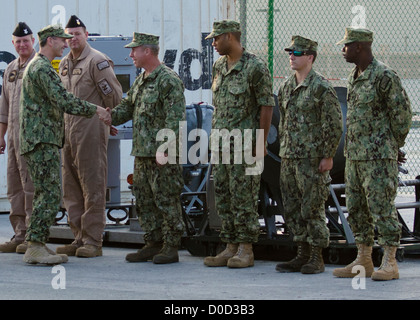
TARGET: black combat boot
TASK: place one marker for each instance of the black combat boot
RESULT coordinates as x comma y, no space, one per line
315,263
294,265
146,253
166,255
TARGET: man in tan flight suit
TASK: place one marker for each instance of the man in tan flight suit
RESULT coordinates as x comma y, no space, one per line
89,75
20,190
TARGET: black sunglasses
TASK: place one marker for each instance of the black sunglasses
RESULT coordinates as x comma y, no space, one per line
297,53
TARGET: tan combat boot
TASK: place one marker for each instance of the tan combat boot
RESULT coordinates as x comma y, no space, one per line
222,258
294,265
89,251
166,255
68,249
63,256
315,263
22,247
146,253
363,259
9,246
243,258
38,253
388,269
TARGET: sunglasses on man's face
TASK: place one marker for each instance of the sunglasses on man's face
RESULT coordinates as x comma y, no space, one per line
297,53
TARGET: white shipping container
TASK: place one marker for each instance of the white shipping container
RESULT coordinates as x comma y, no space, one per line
181,24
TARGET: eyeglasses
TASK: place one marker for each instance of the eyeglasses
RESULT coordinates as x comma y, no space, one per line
297,53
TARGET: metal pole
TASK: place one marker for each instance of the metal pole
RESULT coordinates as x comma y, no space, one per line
243,22
270,25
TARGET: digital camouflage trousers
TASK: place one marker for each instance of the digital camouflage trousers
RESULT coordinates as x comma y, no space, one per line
236,195
371,188
304,192
157,190
44,168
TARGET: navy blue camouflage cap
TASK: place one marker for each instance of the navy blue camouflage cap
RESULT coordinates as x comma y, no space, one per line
300,43
53,31
141,39
356,35
224,26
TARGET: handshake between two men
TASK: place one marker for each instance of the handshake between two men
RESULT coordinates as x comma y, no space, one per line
105,116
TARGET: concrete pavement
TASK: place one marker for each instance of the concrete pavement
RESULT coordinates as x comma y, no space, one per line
111,278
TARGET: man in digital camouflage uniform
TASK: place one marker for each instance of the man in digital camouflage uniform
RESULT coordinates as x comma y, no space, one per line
310,130
243,100
155,102
44,101
378,122
89,75
20,189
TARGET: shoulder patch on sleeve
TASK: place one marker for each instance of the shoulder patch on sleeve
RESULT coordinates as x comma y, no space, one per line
103,65
384,82
167,87
105,87
258,75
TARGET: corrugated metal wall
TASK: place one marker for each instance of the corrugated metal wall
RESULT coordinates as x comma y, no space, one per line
180,23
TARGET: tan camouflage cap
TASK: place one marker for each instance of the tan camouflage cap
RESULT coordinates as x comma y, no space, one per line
53,31
224,26
302,44
356,35
140,39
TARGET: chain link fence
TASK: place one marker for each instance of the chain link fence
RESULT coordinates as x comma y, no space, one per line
268,26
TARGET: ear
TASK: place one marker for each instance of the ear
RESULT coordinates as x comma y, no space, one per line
311,58
147,51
